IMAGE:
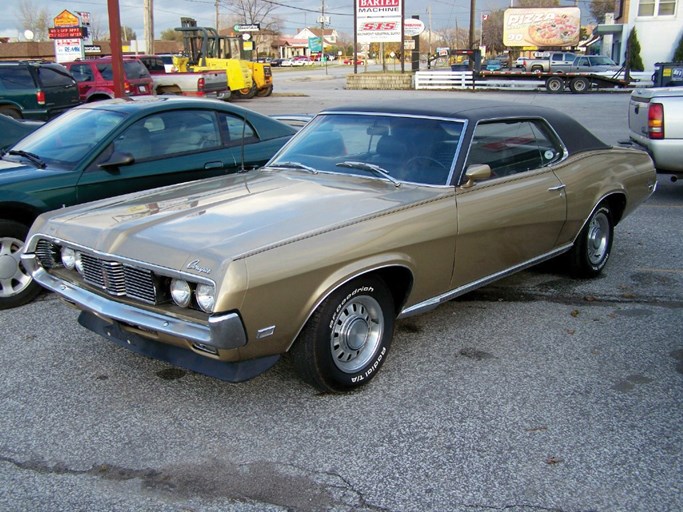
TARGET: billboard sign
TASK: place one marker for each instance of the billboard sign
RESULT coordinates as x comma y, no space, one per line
67,50
378,21
66,19
542,27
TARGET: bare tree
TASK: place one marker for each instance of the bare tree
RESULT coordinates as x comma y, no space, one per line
598,9
253,11
127,33
492,31
34,19
97,33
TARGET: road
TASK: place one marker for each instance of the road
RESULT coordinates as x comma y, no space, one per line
539,392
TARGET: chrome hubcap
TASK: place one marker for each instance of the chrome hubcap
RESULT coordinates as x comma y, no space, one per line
598,238
13,278
356,333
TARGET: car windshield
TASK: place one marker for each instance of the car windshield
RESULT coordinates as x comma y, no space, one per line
66,140
400,149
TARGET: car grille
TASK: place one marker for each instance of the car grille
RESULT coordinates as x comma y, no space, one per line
118,279
112,276
47,253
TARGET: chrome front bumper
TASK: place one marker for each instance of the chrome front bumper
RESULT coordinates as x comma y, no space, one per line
224,331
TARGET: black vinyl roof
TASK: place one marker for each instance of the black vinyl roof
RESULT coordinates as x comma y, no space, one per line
575,136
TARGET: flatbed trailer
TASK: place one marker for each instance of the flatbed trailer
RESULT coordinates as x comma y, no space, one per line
559,81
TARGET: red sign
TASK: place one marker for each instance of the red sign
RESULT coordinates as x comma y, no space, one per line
66,33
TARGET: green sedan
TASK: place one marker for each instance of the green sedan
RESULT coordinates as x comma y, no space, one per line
114,147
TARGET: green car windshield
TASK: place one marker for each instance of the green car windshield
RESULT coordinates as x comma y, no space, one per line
418,150
65,141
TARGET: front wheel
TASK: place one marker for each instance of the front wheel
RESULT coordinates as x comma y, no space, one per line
346,341
592,247
16,284
262,93
247,93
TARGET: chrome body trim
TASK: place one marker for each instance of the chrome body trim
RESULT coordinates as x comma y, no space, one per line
434,302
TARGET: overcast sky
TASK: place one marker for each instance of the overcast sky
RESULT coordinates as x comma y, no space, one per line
296,14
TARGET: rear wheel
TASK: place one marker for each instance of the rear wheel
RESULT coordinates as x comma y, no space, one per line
579,85
592,247
10,112
16,284
346,341
554,84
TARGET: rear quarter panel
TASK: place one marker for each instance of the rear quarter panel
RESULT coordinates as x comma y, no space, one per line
594,175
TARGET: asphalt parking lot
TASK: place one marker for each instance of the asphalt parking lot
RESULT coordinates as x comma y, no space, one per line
539,392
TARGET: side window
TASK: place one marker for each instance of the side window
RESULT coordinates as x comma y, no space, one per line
136,140
512,147
14,78
235,129
82,73
183,131
106,71
53,78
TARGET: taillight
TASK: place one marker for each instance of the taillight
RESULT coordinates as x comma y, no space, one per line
200,84
40,97
126,87
655,121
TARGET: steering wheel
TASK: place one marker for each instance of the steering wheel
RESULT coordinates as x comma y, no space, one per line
413,161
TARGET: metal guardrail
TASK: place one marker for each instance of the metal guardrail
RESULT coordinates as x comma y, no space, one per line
463,80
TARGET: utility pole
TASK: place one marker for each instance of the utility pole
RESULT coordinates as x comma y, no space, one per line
148,26
429,38
216,5
322,35
473,7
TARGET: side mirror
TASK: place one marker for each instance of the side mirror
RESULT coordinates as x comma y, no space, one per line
117,160
476,172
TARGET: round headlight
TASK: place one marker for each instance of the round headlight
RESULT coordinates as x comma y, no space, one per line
68,257
206,298
79,263
181,292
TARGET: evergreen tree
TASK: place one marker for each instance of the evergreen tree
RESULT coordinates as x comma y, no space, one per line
678,54
634,60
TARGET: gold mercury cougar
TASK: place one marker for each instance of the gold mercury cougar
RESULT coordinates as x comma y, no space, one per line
370,213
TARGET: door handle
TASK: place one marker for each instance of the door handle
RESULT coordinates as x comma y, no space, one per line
213,165
558,187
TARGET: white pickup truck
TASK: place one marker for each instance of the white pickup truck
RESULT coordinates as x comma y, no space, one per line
203,83
655,122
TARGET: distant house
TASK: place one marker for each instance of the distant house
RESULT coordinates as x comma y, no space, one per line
658,23
298,44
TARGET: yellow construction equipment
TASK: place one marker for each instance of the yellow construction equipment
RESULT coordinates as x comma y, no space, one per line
205,49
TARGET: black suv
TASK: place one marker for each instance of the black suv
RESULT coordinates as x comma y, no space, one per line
36,90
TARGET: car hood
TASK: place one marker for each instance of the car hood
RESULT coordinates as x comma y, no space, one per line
14,172
226,218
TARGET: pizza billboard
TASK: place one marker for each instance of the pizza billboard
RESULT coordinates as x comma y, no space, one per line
542,27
